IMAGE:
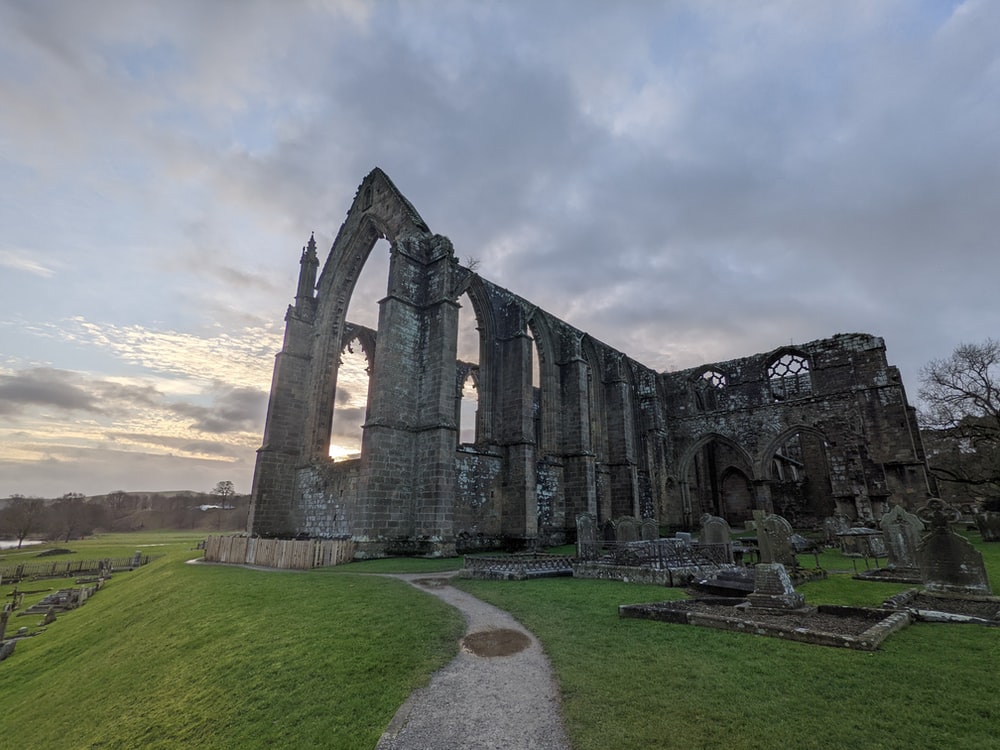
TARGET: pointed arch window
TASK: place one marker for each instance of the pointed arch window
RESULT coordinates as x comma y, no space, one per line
707,388
789,377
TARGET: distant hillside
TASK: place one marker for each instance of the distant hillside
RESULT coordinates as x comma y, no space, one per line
152,494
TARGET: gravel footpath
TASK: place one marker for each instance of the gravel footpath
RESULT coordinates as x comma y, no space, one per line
481,702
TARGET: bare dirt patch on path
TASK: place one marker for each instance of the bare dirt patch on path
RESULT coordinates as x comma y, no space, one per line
497,693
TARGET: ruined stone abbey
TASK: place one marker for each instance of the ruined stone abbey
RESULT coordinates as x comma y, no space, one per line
565,424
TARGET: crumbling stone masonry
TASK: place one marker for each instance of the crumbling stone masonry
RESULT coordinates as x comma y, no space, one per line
807,431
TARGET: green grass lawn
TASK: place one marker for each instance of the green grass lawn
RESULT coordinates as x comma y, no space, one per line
174,655
177,656
641,684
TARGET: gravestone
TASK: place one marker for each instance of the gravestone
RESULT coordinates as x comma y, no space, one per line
835,525
861,541
772,588
774,538
586,537
901,531
609,531
649,530
988,522
715,533
627,529
948,563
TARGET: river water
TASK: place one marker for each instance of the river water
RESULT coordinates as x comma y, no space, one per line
12,543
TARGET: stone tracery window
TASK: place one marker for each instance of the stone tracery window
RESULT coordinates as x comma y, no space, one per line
789,377
707,387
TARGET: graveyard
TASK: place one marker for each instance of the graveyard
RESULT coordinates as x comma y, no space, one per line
172,655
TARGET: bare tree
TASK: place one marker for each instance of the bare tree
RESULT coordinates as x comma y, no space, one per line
224,491
961,417
22,516
69,514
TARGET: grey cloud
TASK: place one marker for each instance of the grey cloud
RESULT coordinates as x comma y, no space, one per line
232,410
687,181
185,445
42,386
347,422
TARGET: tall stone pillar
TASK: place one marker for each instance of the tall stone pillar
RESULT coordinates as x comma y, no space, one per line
621,445
579,464
516,436
273,507
406,481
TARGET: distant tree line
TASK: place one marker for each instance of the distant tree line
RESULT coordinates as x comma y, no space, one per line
74,516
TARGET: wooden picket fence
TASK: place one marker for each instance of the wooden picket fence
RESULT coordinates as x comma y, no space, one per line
70,568
289,554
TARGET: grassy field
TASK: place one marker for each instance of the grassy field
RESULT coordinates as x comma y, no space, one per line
176,655
642,684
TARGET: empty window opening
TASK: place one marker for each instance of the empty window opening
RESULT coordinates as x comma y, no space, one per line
351,400
707,388
468,408
789,377
467,391
800,483
536,392
351,403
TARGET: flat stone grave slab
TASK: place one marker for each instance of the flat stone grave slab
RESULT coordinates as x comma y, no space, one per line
926,606
858,628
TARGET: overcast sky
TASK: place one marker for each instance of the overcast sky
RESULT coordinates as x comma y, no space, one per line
688,181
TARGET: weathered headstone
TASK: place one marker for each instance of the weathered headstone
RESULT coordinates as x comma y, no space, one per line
988,523
773,588
627,529
948,563
774,535
834,525
715,534
901,531
609,531
862,541
649,530
586,537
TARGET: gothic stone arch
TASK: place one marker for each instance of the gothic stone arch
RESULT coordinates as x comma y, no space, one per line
600,434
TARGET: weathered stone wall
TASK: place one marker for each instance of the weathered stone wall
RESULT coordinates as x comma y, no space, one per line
327,496
852,400
821,425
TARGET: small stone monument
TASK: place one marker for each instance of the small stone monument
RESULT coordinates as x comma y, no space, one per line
609,532
774,537
773,589
861,541
627,529
835,525
948,563
586,537
649,530
988,522
901,531
715,533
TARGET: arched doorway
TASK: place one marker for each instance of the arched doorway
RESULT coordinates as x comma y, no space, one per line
717,476
797,468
